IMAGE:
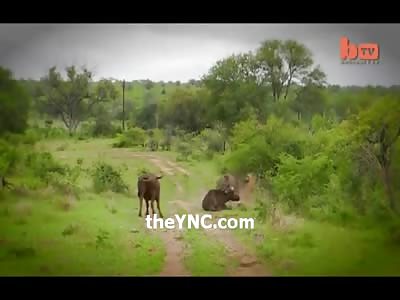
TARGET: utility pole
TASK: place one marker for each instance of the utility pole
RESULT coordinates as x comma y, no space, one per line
123,105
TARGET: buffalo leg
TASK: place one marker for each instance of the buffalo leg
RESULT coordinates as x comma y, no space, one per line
140,205
159,209
152,207
147,207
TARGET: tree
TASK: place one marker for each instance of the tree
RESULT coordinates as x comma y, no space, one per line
14,104
146,117
184,109
71,99
234,90
309,101
130,108
379,130
223,132
149,84
282,63
245,83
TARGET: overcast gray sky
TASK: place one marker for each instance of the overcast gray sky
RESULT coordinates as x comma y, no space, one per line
185,51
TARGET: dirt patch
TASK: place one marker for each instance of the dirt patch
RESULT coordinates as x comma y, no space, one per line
177,167
175,249
159,163
249,264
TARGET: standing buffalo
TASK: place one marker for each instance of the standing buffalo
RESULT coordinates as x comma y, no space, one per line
149,190
216,199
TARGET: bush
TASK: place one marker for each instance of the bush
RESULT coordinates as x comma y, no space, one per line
105,177
31,136
213,142
9,156
55,132
36,133
67,182
103,127
256,147
184,149
43,165
15,104
131,138
300,179
85,131
143,171
156,137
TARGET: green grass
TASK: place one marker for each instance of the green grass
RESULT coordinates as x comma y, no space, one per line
206,257
316,248
32,225
68,242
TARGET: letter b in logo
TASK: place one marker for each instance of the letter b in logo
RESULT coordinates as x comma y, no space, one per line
367,51
347,49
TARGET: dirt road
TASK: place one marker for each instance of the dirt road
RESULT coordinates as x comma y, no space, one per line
249,265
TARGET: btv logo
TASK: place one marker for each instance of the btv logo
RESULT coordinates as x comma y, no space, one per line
362,53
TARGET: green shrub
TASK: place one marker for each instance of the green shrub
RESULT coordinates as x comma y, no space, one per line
213,140
105,177
67,182
31,136
55,132
142,171
131,138
156,137
9,156
85,130
184,149
256,147
103,127
300,179
43,165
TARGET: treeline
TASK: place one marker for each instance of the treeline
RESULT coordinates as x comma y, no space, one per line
323,151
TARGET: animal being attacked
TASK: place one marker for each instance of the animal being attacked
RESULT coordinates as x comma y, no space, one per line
243,185
149,189
216,199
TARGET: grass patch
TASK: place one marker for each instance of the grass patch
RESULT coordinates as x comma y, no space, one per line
207,257
71,249
94,237
324,249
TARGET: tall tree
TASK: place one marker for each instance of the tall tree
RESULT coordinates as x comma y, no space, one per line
71,99
282,63
184,109
233,89
379,129
14,104
310,97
